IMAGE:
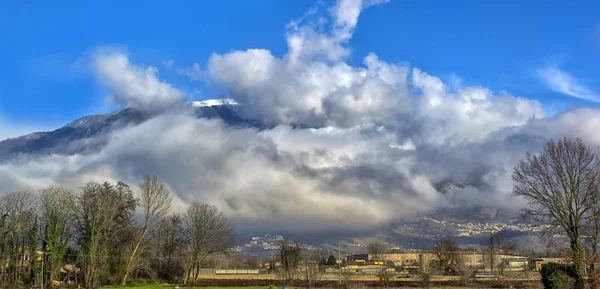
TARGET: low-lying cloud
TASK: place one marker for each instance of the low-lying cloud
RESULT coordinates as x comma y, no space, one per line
385,140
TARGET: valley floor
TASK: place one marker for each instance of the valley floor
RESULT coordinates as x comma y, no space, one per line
265,281
165,286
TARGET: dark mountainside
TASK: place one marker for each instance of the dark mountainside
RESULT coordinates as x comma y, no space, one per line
89,134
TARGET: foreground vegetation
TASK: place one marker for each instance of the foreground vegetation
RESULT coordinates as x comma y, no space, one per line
142,286
90,237
264,287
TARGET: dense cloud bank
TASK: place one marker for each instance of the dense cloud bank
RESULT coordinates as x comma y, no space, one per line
385,140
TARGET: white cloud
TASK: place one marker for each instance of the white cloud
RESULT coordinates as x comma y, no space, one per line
133,85
193,73
316,178
318,93
310,39
168,63
203,160
562,82
472,113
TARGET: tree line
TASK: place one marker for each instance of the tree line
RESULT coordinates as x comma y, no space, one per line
104,233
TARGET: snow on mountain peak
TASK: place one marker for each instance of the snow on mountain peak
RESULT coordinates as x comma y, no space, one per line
213,102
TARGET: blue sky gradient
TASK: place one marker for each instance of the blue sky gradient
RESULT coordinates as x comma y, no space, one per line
504,46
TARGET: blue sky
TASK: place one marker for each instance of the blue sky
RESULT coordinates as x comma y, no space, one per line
513,46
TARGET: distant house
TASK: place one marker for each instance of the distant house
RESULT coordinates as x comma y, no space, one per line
516,262
25,258
539,262
472,259
359,257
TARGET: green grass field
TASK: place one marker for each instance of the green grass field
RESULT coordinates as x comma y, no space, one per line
157,286
172,286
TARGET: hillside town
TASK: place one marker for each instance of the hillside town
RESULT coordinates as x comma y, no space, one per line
471,228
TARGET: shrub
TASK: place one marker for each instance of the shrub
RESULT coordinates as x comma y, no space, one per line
385,276
556,276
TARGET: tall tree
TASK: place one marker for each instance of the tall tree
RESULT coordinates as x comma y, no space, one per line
291,255
19,208
33,243
209,232
559,185
155,200
4,248
376,249
426,268
56,215
168,241
592,233
491,251
101,211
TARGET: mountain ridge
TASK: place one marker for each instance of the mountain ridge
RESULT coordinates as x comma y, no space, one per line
70,138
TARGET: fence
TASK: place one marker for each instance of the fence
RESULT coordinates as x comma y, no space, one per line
215,271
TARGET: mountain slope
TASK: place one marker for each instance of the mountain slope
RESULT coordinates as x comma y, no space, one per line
90,133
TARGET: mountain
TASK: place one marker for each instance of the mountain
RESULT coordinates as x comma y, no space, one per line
90,133
65,139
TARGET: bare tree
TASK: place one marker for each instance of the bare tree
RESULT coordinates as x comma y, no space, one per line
19,208
168,239
491,252
527,271
427,266
448,253
155,200
252,262
312,274
209,232
376,249
386,275
347,278
290,255
463,269
101,212
560,186
56,212
5,249
549,241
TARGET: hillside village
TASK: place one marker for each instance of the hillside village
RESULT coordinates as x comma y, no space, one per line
478,228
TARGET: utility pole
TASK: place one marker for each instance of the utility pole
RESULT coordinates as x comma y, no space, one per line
340,262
